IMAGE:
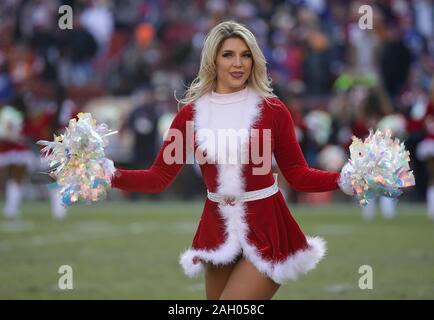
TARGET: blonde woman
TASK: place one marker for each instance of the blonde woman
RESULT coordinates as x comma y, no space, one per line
247,241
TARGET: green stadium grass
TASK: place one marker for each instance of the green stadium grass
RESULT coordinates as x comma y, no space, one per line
123,250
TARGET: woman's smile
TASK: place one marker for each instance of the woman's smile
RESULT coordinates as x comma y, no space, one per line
237,74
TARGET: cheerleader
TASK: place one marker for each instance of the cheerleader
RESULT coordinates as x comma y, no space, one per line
15,156
425,149
247,241
231,124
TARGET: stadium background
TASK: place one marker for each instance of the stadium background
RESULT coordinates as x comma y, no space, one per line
124,60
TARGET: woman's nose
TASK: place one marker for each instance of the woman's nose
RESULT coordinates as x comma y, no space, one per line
237,61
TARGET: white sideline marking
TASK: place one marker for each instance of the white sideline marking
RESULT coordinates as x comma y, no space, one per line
335,229
16,226
184,227
195,287
94,230
138,228
338,288
81,233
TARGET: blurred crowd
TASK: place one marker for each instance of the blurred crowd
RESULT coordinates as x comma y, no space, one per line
126,59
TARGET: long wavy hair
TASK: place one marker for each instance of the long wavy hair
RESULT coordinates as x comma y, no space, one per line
207,76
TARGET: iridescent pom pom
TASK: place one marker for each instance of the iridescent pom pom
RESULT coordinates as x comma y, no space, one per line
77,160
378,166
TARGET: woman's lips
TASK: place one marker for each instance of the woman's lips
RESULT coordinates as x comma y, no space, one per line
237,74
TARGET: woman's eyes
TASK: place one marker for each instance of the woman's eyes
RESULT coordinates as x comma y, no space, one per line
228,54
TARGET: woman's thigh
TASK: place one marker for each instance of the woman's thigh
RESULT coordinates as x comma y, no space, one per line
247,283
215,279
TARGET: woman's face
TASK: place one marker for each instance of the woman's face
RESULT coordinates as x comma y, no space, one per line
234,64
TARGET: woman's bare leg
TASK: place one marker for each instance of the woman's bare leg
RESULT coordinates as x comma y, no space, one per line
15,177
247,283
215,279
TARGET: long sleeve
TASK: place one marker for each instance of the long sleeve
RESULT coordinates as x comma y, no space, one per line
290,159
161,174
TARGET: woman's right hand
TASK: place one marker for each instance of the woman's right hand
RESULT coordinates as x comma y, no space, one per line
344,180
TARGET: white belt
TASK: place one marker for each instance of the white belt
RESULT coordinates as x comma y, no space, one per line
246,196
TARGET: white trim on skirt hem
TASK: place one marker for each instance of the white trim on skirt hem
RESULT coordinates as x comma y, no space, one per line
291,268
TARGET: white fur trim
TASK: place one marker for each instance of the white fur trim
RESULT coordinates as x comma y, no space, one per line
230,181
191,269
301,262
205,125
295,265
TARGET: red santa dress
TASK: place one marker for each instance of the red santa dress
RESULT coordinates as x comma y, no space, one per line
263,231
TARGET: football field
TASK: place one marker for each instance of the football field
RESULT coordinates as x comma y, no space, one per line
124,250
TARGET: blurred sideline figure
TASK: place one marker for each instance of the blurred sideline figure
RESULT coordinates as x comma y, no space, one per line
19,131
49,125
425,149
375,108
15,156
143,123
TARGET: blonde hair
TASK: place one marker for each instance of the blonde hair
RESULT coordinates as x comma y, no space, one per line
207,76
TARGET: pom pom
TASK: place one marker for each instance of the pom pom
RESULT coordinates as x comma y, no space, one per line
377,166
77,160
